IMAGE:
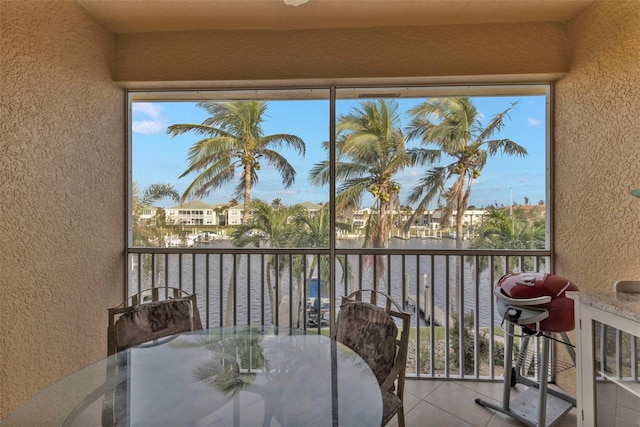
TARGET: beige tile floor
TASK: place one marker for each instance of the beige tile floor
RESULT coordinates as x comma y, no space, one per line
452,403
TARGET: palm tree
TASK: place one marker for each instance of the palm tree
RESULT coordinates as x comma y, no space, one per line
276,203
451,128
370,150
314,232
146,236
268,227
149,233
233,139
499,230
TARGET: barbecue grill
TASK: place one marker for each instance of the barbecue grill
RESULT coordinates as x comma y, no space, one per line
537,303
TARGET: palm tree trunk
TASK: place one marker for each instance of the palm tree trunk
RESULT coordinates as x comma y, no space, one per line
247,192
296,298
459,264
380,240
231,294
272,297
459,229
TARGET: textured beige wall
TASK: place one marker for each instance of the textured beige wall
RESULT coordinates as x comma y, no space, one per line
505,49
597,146
62,174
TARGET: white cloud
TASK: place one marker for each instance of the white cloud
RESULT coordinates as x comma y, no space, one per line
148,108
151,111
148,127
287,192
534,122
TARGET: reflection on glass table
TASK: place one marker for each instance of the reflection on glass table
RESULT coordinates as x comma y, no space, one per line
217,377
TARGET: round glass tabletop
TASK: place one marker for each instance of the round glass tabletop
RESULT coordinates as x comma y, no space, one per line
246,375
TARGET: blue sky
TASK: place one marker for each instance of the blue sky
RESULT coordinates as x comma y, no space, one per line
158,158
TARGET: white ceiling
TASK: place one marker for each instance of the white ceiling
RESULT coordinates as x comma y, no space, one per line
134,16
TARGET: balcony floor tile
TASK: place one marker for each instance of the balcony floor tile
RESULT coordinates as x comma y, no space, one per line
452,403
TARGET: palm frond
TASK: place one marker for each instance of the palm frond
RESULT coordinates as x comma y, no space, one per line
350,194
199,160
422,156
496,124
280,163
156,192
210,179
198,129
278,141
431,183
506,146
320,173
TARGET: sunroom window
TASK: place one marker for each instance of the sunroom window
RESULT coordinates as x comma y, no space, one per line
374,167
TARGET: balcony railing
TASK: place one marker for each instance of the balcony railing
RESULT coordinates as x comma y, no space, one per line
456,329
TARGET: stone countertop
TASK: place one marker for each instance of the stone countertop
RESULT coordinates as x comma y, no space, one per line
624,304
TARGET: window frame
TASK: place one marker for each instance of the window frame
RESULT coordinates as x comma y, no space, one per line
351,91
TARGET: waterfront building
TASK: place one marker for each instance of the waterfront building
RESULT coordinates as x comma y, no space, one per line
311,208
195,212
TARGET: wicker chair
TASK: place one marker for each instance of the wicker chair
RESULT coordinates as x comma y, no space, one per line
372,332
153,317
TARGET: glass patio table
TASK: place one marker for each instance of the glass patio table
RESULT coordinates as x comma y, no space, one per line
245,375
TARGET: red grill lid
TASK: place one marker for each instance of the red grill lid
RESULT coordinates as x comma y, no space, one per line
527,285
530,285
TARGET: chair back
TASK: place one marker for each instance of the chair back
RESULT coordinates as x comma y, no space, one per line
149,317
371,332
380,335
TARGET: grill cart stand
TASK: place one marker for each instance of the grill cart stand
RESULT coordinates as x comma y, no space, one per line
536,302
538,402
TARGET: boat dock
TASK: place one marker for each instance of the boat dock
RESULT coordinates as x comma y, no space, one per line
438,316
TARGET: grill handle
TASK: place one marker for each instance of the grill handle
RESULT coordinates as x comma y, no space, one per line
525,301
520,315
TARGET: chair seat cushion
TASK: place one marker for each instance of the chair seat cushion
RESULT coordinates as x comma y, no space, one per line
153,320
371,332
391,404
